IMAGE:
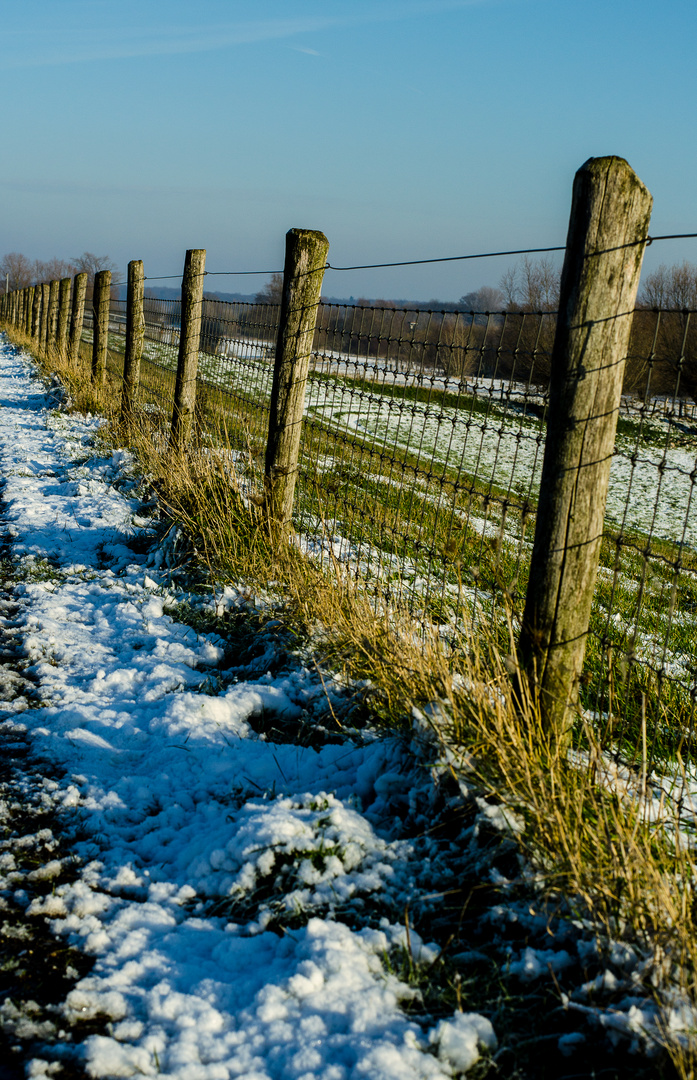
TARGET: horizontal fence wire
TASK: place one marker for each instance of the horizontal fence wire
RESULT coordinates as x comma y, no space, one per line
420,462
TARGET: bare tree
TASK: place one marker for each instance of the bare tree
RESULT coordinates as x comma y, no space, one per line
671,287
272,292
52,270
16,270
484,299
531,285
89,263
508,284
665,330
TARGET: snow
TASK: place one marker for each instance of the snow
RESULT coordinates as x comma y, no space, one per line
225,876
197,831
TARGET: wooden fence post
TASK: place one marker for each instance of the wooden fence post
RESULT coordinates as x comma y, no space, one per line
63,317
189,343
135,333
54,289
36,313
77,314
100,325
608,228
306,257
45,294
29,312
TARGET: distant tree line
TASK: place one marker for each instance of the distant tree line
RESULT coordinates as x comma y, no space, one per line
508,331
504,331
17,271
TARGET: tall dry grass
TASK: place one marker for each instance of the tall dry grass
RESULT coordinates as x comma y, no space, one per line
586,827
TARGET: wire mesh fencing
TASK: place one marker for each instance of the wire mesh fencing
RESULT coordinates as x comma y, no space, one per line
421,451
640,659
235,369
420,467
419,470
418,477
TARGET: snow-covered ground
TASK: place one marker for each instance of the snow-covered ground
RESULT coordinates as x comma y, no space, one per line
243,888
188,810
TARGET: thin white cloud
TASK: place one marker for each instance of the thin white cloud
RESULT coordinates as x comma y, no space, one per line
309,52
24,49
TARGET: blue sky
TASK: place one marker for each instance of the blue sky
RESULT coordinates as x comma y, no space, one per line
403,130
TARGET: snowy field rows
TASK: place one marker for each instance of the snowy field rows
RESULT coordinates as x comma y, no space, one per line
649,491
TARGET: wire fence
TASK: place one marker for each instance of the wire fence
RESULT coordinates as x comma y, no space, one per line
422,440
419,469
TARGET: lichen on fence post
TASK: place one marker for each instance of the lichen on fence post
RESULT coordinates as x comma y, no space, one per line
100,328
77,315
29,311
306,257
63,316
135,334
44,336
36,313
53,294
608,229
189,345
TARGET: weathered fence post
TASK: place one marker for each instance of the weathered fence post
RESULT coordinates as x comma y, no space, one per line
306,257
28,314
189,343
36,313
54,289
63,317
77,314
45,294
608,228
135,333
100,324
